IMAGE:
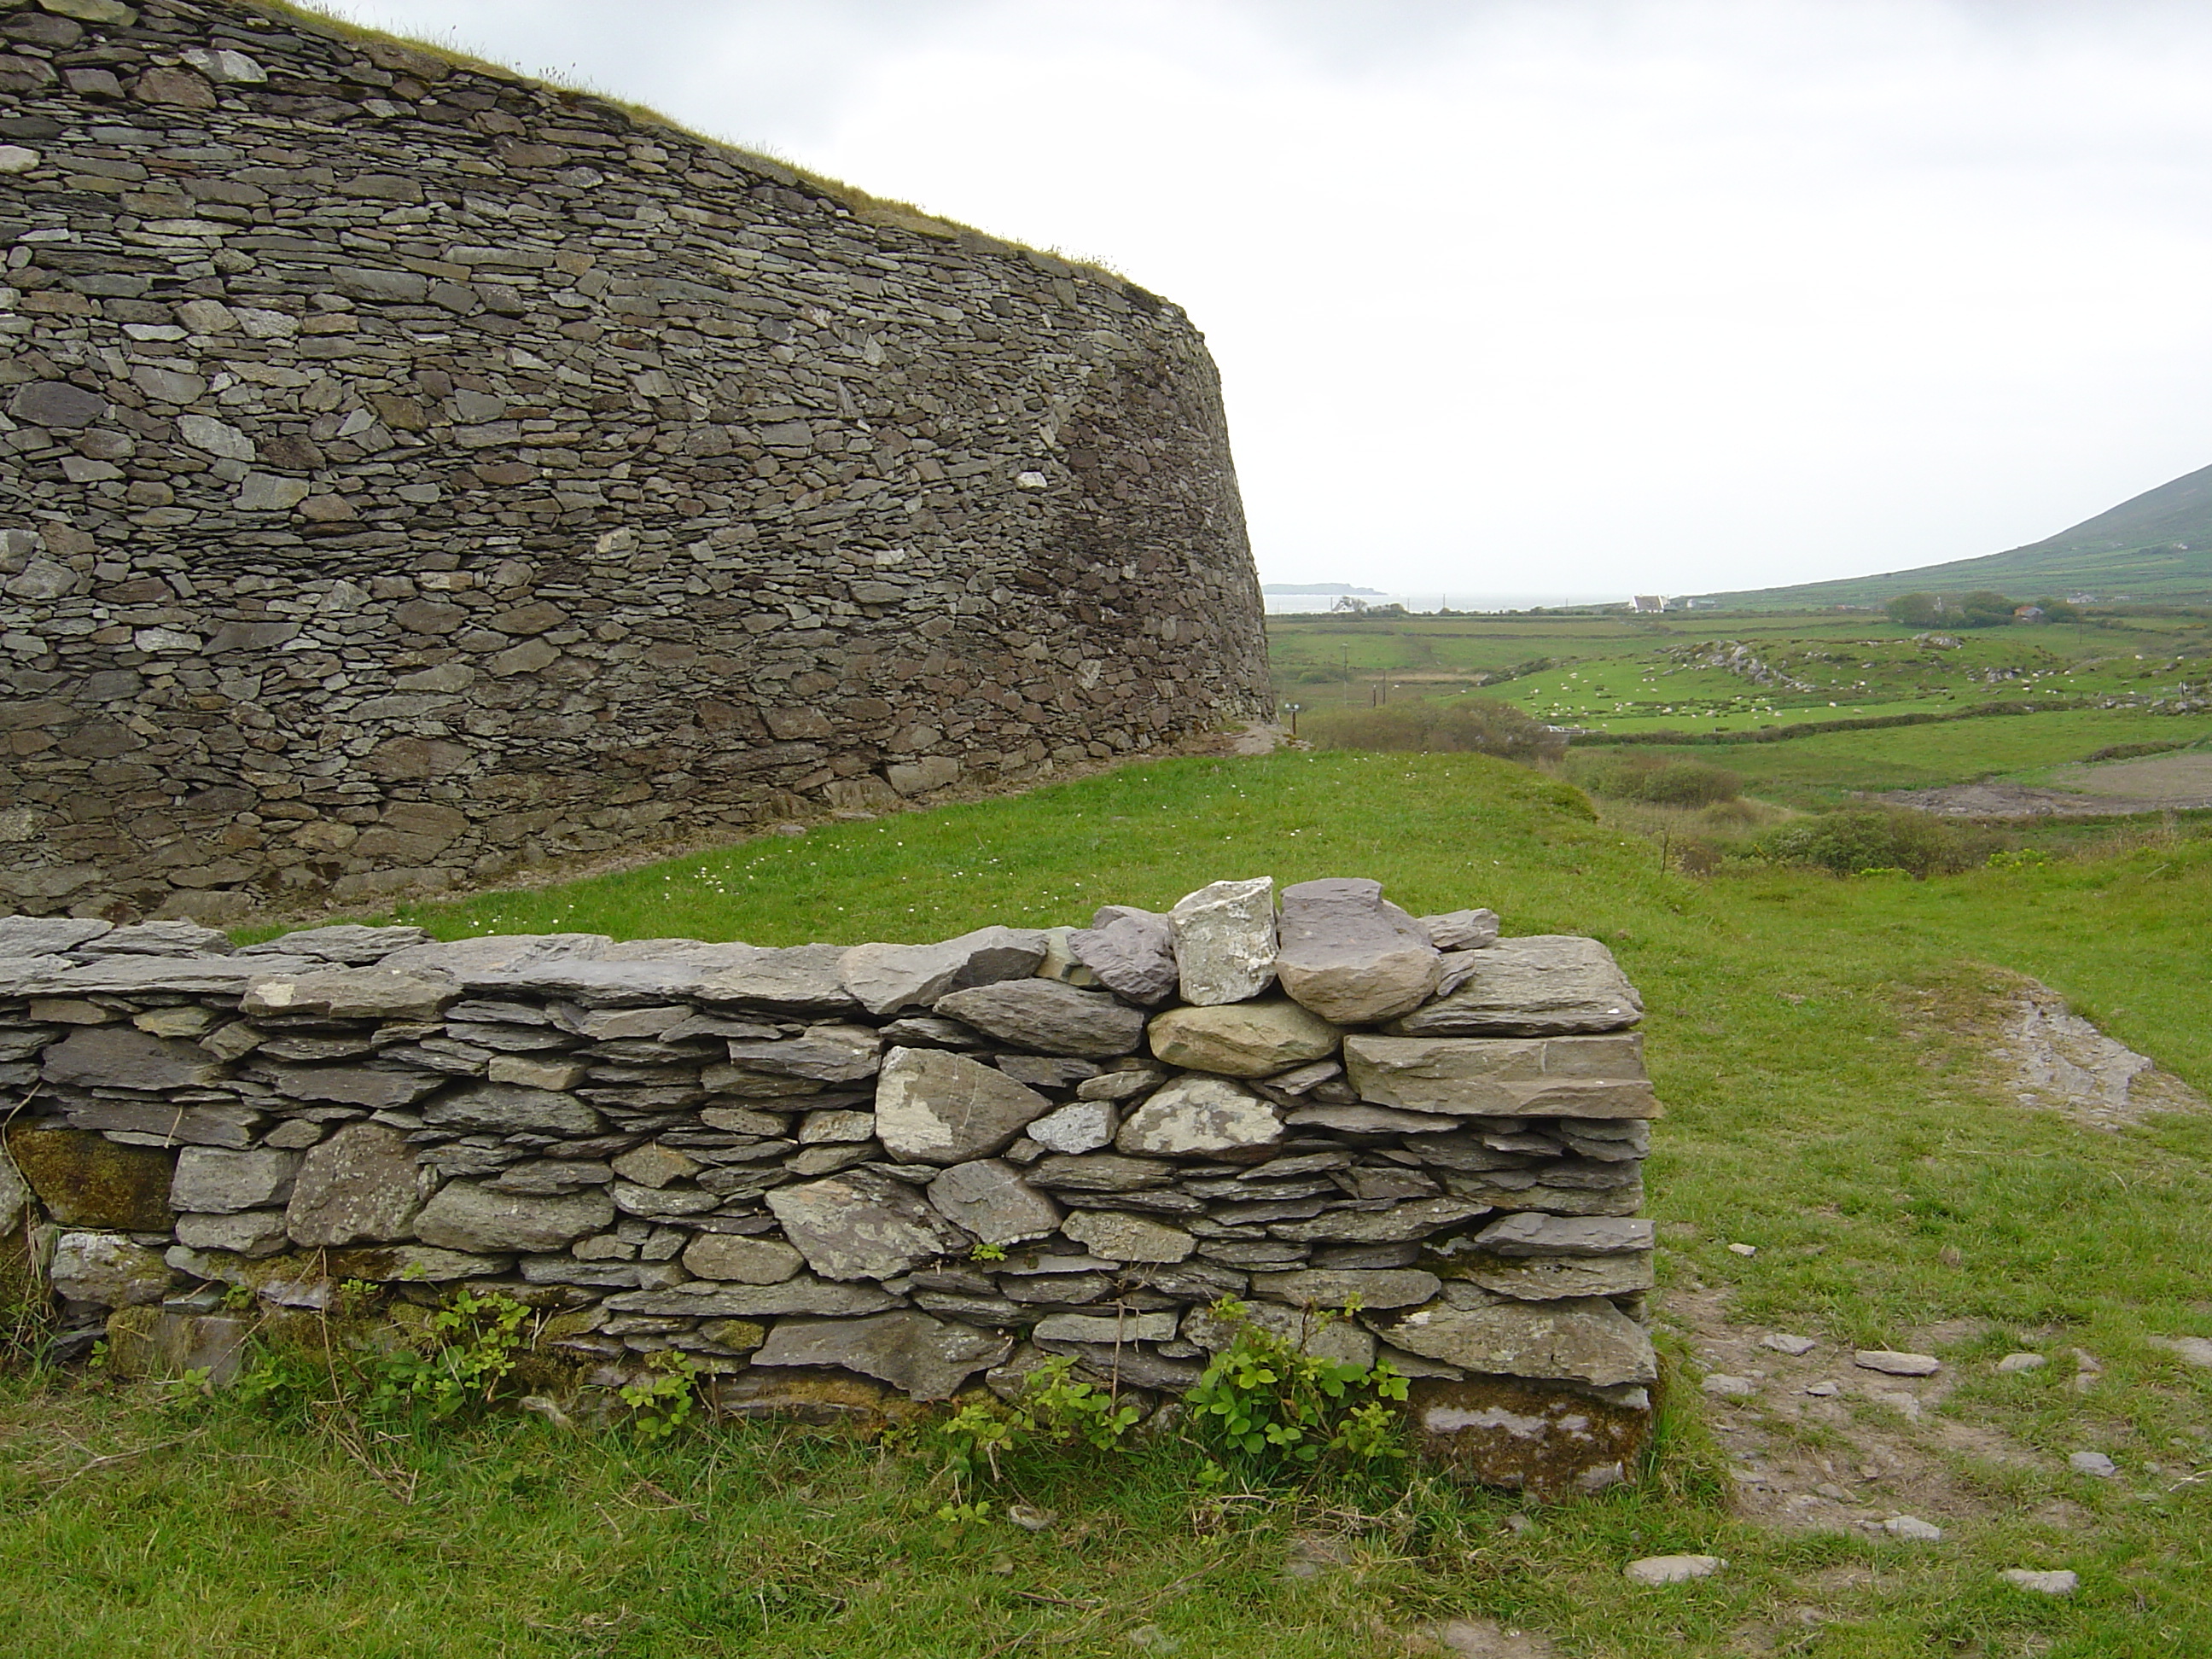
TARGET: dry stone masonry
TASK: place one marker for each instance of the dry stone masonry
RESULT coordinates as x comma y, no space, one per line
824,1172
413,474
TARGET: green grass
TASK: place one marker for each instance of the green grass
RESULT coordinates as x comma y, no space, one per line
1819,1044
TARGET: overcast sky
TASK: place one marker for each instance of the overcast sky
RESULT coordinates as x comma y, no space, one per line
1524,296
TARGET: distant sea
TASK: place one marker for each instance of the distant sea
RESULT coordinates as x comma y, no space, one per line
1285,604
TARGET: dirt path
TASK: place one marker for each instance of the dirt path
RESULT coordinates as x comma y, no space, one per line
2156,783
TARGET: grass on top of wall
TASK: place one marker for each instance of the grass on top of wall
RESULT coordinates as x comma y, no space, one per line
1824,1047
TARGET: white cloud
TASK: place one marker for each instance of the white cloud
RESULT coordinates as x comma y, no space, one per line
1591,294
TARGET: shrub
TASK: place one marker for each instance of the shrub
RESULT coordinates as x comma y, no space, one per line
1859,839
1659,781
1463,725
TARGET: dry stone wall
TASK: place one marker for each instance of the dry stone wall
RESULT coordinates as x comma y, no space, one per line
824,1172
412,474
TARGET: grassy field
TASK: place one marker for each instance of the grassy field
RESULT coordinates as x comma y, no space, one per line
1705,675
1823,1046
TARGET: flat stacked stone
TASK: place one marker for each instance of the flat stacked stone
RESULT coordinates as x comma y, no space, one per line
908,1163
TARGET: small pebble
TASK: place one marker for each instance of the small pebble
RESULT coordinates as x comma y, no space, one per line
1822,1390
1898,1402
1893,1364
1672,1569
2021,1362
2095,1463
1734,1387
2061,1583
1743,1250
1783,1342
1913,1527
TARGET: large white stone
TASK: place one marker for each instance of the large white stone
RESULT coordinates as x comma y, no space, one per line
1225,940
1196,1113
932,1107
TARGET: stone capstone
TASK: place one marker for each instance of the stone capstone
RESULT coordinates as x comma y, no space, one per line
1225,941
1350,955
932,1107
1196,1114
886,978
1543,985
360,1186
988,1198
1531,1234
1131,952
859,1226
1241,1039
1462,930
923,1357
463,1215
1048,1018
352,993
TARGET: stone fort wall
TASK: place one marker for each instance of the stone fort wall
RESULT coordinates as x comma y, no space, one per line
413,474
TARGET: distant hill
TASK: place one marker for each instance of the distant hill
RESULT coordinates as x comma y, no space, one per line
1314,587
2156,546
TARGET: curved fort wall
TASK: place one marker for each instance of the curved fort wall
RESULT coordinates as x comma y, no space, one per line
414,473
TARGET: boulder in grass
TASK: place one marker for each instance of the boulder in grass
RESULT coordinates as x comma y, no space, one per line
1350,955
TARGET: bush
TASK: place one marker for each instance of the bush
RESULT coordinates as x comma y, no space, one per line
1659,781
1860,839
1463,725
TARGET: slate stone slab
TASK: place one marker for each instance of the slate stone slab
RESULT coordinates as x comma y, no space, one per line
463,1215
933,1107
1343,1341
509,1107
741,1260
1591,1076
1196,1114
824,1053
212,1180
1350,955
107,1269
1335,1287
924,1359
1131,952
360,1186
1418,1217
1121,1238
798,979
859,1226
804,1294
39,936
1581,1339
1541,985
1462,930
124,1057
1548,1278
1225,941
988,1198
887,978
352,993
349,944
1048,1018
375,1087
1241,1039
1085,1127
252,1233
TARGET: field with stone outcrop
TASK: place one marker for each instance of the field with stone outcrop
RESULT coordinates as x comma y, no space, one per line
1903,1118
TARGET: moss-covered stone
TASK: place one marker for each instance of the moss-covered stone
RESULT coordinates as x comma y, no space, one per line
86,1179
1547,1440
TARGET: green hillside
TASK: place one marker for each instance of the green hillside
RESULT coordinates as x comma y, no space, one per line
2157,545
